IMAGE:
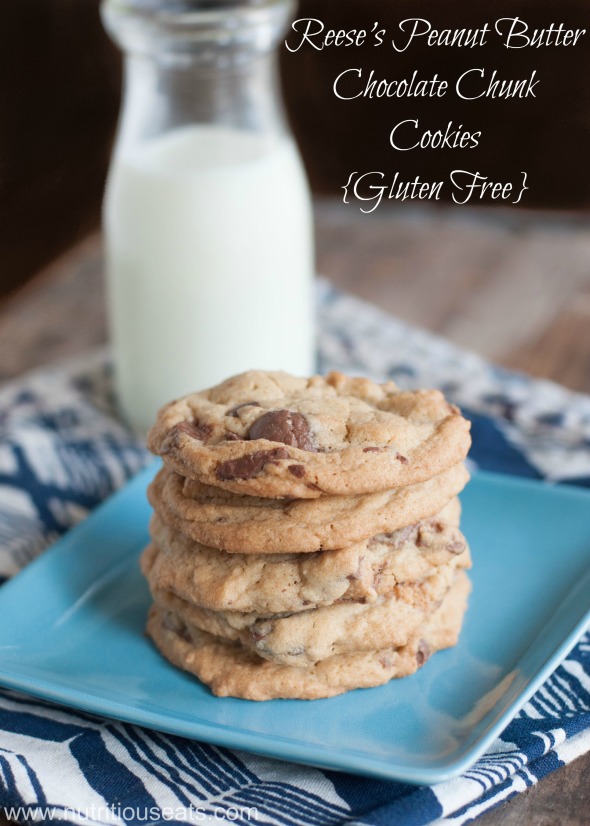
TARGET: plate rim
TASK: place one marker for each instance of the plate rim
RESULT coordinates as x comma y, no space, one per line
284,749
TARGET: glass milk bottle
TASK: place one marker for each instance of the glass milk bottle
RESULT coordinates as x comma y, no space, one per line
207,215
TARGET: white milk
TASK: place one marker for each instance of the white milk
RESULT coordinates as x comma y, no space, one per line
210,262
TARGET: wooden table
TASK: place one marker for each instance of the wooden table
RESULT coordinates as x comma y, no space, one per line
512,286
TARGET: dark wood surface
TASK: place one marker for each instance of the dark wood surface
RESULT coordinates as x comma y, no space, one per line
512,286
60,81
59,94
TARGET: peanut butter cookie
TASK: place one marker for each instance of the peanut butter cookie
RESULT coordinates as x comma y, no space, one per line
305,638
233,671
274,435
249,524
274,583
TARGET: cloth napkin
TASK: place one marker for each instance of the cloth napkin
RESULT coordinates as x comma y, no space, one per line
63,450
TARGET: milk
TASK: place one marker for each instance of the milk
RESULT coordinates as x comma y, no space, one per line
209,262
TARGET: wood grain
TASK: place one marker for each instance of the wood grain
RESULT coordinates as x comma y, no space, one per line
514,287
511,286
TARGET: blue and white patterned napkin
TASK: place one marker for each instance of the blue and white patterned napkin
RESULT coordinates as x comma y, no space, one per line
63,450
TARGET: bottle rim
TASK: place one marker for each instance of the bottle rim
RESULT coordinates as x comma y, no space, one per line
181,24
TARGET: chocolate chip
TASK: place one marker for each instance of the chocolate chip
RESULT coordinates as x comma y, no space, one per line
195,430
297,470
455,547
246,467
296,652
359,570
284,426
177,626
261,629
233,411
378,576
396,538
423,652
371,450
407,534
401,458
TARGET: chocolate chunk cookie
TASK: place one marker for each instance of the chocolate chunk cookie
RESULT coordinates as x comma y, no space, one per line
275,583
305,638
231,670
248,524
274,435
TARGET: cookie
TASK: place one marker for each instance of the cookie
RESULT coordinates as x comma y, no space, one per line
274,435
249,524
274,583
305,638
230,670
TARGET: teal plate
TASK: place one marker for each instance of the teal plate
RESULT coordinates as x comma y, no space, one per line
75,636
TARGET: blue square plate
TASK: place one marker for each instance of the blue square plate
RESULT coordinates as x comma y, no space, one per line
77,614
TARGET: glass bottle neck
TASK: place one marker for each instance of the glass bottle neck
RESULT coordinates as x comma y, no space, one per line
211,32
159,98
196,63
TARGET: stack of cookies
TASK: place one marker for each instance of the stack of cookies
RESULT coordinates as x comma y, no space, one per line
305,536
